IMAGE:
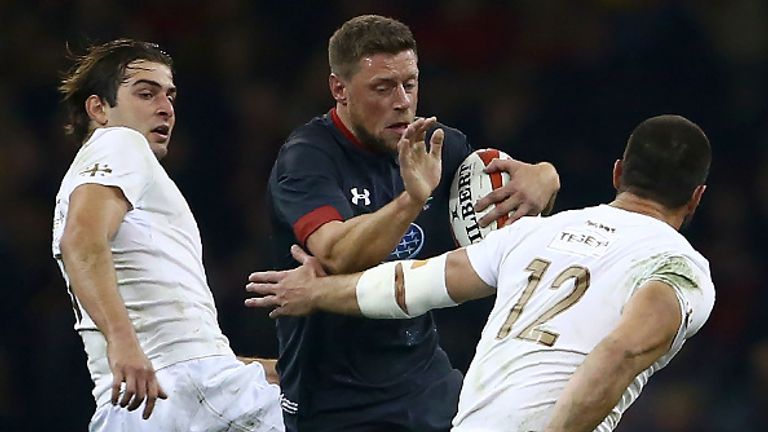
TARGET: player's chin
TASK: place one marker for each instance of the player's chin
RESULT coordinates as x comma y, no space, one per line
389,143
160,149
389,137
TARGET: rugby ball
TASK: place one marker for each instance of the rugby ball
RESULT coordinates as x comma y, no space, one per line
469,185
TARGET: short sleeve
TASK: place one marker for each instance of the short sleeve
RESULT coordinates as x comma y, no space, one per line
692,283
487,256
121,158
305,188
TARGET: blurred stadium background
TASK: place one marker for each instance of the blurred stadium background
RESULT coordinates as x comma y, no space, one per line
556,80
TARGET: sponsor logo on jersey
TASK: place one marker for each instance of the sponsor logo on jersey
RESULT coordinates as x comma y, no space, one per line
410,245
357,196
588,242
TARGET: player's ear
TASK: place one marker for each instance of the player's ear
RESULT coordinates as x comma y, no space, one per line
617,170
338,88
96,110
696,198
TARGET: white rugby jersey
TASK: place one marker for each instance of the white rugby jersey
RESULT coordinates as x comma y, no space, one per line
157,255
562,282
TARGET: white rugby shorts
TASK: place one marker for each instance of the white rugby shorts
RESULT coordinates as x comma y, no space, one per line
217,393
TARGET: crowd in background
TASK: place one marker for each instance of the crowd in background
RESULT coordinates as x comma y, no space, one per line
561,81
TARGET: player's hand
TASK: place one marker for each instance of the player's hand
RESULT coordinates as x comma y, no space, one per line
531,190
131,366
289,292
420,169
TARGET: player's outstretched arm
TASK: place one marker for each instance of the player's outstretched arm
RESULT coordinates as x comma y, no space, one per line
531,190
647,328
400,289
95,213
364,241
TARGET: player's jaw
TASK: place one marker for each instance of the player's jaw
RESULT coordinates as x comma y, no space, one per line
385,139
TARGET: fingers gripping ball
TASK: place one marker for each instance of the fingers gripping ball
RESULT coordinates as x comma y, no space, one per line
469,185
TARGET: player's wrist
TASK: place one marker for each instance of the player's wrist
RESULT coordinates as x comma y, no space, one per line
408,201
121,335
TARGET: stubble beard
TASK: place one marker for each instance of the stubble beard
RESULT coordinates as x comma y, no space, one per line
369,140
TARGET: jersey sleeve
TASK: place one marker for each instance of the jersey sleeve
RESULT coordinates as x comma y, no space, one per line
306,191
487,256
690,279
120,158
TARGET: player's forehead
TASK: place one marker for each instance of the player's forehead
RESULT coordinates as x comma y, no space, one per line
148,72
402,66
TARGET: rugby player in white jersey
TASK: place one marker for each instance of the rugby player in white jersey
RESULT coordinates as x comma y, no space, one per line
129,249
590,303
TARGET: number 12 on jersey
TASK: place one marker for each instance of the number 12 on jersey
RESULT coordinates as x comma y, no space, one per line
533,333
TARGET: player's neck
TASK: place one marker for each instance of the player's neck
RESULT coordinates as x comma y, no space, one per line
637,204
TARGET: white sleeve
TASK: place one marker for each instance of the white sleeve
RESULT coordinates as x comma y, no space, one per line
486,256
689,277
121,157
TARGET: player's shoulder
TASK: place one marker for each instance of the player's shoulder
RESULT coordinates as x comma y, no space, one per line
117,143
453,136
313,136
523,227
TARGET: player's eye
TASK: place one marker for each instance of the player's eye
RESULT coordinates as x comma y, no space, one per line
145,95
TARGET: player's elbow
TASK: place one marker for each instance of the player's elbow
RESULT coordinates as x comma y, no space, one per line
335,263
69,244
335,259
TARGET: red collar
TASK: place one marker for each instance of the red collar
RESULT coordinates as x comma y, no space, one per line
346,132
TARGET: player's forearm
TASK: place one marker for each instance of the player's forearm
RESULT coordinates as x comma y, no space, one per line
337,294
368,239
89,265
594,389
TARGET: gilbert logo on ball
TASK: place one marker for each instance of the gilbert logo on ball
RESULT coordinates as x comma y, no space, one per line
469,185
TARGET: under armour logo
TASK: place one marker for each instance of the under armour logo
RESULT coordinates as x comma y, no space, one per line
356,196
95,169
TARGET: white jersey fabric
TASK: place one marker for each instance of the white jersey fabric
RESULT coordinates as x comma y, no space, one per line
157,255
562,282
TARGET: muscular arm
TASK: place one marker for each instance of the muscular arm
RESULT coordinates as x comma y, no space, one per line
95,214
300,291
366,240
645,332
